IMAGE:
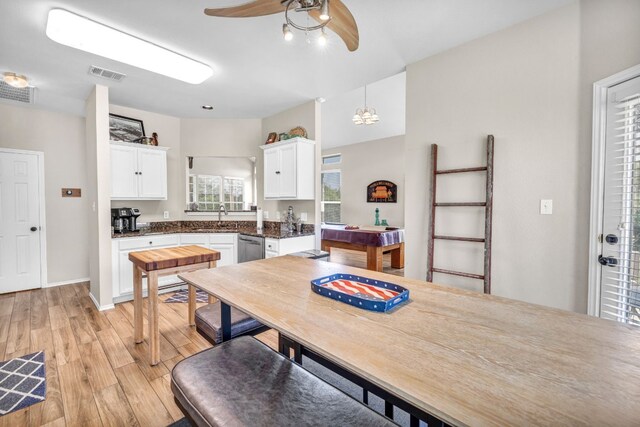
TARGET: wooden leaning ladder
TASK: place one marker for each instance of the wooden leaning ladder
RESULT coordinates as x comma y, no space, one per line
488,205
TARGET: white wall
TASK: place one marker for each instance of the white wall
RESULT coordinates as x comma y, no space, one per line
362,164
62,139
99,185
530,86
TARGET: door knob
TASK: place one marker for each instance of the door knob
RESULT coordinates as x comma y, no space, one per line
34,228
611,239
609,261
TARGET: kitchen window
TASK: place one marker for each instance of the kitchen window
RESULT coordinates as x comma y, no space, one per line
330,201
210,191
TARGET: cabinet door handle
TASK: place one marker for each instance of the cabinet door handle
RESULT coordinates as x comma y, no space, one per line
151,243
277,172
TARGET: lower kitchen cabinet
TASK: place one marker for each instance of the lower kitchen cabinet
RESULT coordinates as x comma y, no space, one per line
122,268
277,247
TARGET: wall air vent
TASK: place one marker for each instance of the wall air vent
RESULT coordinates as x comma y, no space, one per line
16,94
106,74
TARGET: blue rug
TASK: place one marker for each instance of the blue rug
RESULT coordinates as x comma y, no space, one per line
22,382
183,294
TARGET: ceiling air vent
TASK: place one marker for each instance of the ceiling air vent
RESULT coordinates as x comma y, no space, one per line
106,74
16,94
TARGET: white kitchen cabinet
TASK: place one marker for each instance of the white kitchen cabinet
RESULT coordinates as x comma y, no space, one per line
122,268
227,245
277,247
289,170
138,173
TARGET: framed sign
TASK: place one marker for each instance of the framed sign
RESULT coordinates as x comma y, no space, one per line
382,192
125,128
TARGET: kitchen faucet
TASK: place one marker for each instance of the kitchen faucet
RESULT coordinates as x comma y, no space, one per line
220,211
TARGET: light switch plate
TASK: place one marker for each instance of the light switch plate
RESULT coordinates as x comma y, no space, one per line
265,214
303,216
546,207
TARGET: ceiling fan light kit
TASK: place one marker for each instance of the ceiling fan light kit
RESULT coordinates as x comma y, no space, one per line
16,80
332,14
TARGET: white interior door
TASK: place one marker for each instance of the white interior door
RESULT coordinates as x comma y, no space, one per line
619,257
20,228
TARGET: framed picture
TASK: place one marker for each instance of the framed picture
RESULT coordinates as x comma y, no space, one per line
125,128
382,192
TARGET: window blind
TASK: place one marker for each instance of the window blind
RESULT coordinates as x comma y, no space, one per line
620,291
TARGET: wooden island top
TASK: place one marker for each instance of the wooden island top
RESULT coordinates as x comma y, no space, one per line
160,259
464,357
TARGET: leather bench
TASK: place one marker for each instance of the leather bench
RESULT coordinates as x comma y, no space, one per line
244,382
209,326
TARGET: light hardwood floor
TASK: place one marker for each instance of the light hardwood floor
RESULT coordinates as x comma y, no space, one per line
96,376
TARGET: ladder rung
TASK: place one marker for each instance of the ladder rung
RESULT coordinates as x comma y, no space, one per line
463,170
458,273
461,239
461,204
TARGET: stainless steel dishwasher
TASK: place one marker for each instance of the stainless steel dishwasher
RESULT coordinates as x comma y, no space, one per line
250,248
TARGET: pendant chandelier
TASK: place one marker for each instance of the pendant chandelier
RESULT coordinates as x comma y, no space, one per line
366,115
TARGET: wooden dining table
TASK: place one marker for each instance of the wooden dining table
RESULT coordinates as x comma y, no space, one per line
162,262
465,358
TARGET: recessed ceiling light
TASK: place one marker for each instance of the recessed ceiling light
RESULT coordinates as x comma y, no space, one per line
16,80
207,107
81,33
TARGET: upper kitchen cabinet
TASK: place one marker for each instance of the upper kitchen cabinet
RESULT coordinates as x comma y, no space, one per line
289,170
138,172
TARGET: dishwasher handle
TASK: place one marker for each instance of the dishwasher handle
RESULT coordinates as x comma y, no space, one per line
250,241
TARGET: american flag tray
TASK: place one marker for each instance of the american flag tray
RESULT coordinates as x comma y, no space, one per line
361,292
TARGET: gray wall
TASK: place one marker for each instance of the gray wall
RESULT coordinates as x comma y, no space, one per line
363,163
62,139
530,86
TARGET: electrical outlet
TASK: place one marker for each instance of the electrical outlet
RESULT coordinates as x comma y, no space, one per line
546,207
265,214
303,216
166,214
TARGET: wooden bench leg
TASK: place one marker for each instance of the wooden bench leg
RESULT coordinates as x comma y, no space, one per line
374,258
154,330
138,333
397,257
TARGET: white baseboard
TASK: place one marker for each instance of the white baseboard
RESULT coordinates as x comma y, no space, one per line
98,306
66,282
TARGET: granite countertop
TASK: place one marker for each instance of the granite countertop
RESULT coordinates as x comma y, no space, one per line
249,231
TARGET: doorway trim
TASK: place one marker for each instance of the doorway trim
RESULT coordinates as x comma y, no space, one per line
599,135
41,214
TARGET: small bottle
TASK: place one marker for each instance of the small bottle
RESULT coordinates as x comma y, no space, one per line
377,216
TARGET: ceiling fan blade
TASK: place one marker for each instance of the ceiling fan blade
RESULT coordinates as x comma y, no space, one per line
342,23
254,8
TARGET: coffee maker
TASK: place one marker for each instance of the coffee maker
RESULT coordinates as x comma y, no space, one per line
124,219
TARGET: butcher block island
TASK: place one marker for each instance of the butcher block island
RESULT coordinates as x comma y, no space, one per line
161,262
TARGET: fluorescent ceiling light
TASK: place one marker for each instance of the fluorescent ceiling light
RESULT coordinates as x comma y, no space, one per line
81,33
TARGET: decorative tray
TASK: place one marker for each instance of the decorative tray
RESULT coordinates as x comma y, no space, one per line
361,292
